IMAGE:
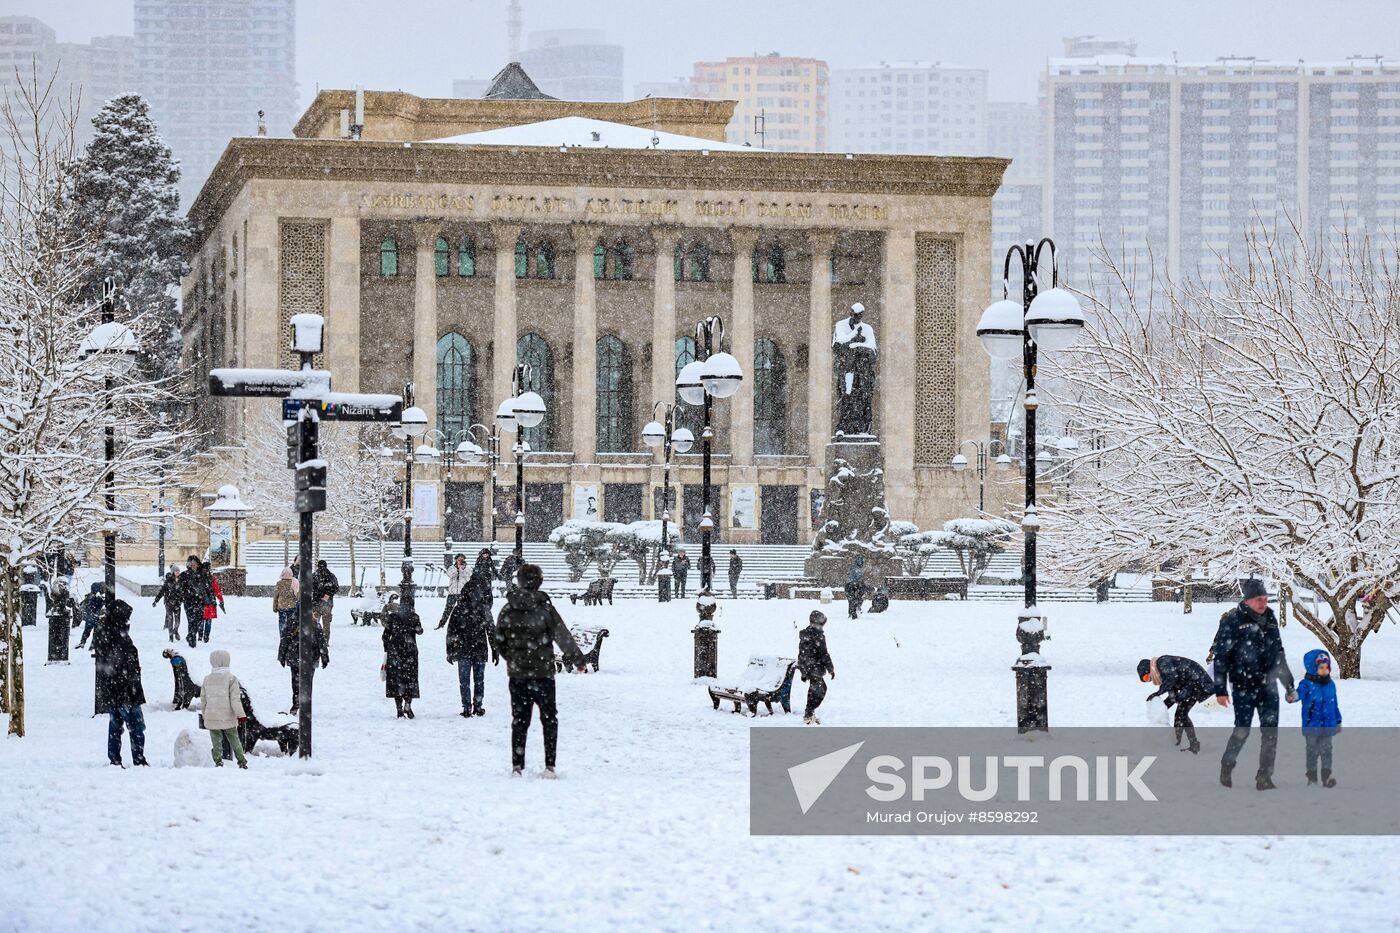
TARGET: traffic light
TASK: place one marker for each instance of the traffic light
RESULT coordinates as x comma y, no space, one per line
293,445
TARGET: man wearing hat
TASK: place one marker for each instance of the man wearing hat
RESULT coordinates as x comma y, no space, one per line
1249,653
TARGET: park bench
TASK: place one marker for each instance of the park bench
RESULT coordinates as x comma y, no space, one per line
925,587
590,642
597,591
766,679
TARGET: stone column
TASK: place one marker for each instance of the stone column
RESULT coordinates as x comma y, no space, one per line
663,319
740,333
896,367
425,326
819,364
266,336
585,395
503,333
343,304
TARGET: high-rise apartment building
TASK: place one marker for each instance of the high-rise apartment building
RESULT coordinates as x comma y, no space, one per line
914,107
574,64
782,100
208,67
94,72
1185,158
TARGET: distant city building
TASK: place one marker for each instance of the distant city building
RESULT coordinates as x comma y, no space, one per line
788,94
95,71
1093,46
208,67
574,64
679,87
1016,130
914,107
1185,158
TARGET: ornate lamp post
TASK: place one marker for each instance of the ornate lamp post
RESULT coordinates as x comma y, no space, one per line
471,452
1042,320
714,374
668,437
959,463
525,409
413,422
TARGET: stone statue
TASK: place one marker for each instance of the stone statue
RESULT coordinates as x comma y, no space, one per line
854,350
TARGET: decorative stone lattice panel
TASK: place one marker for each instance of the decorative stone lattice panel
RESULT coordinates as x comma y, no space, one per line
302,288
935,349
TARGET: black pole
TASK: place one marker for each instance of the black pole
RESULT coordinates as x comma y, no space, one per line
1028,352
981,478
109,495
706,527
519,497
494,449
307,655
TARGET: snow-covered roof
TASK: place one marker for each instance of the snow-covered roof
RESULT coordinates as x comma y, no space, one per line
588,133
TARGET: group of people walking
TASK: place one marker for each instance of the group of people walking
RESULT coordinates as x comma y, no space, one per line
196,590
680,572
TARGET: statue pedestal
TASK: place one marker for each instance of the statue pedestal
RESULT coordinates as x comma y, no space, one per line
854,515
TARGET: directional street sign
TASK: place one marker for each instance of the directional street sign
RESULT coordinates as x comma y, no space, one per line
266,383
345,406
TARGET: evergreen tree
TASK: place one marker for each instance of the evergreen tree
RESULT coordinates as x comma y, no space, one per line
127,189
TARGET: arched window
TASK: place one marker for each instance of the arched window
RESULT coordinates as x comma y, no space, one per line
755,259
770,399
522,259
688,416
699,263
544,260
622,261
831,268
389,257
466,257
533,351
680,262
456,376
776,268
600,261
442,257
614,406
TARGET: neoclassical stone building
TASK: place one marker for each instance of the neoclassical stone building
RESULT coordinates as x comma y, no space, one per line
457,237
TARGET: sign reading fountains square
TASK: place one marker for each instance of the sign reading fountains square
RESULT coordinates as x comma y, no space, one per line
1071,781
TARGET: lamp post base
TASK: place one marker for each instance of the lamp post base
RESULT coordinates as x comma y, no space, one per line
1032,701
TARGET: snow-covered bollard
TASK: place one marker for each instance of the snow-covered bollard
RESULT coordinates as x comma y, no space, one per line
1032,705
706,637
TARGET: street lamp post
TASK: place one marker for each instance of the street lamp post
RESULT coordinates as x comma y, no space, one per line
413,422
525,409
668,437
959,463
471,452
1049,320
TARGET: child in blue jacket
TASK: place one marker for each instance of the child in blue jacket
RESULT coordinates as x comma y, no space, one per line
1322,717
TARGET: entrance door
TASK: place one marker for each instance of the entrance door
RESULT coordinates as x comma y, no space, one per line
622,502
778,518
464,504
544,510
692,508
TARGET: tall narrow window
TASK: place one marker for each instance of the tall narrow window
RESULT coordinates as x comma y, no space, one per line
770,400
688,416
442,257
699,263
466,257
775,270
755,259
622,262
600,261
533,351
614,405
831,268
455,378
679,261
522,259
544,260
389,257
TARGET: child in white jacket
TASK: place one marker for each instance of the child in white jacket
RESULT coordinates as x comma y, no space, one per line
221,705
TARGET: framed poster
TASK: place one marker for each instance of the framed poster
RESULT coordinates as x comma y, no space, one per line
425,504
818,503
221,544
503,511
585,502
742,510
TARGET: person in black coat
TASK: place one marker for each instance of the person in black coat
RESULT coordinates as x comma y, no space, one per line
736,568
680,569
289,655
1184,683
170,592
196,591
118,691
1248,652
814,663
63,615
469,630
401,630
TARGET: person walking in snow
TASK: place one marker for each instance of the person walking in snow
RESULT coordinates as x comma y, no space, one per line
527,629
400,638
680,569
194,592
215,598
1184,683
63,614
285,600
814,663
457,577
289,655
469,628
324,588
855,586
91,611
169,592
1249,654
221,708
117,688
1322,717
736,567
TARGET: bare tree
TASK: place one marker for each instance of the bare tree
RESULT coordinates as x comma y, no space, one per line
1252,429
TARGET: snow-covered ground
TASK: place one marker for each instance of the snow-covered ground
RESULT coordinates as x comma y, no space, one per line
399,824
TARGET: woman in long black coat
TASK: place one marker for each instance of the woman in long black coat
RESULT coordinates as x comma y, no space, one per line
401,631
469,630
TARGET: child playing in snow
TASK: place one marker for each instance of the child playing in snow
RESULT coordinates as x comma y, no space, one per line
221,707
1322,717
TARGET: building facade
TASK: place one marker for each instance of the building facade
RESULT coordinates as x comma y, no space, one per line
909,107
574,64
94,72
1184,159
208,66
445,264
786,96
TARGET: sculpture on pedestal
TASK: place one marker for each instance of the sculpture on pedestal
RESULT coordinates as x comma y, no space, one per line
854,350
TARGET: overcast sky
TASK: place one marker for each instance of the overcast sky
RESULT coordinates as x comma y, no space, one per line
421,45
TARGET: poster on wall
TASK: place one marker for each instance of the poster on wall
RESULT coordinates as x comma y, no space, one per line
585,502
742,513
818,503
425,504
220,544
503,510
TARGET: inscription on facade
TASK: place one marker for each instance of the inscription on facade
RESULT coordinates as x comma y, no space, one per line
528,204
858,212
739,208
595,206
517,204
789,211
419,202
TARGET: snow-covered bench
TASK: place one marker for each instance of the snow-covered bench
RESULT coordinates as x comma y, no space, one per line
590,642
766,679
597,591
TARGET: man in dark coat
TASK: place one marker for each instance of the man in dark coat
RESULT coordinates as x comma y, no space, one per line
1249,652
1184,683
196,591
90,609
736,567
401,630
814,663
324,587
118,691
680,569
289,656
509,568
63,615
469,628
526,631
